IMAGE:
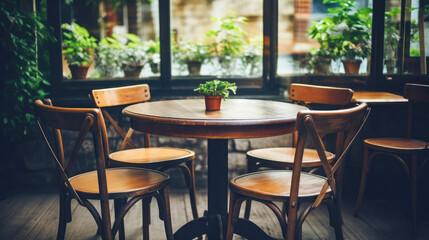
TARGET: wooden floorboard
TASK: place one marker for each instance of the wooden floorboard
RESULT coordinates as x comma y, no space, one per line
34,215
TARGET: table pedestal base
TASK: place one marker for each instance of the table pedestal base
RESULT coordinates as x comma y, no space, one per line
198,227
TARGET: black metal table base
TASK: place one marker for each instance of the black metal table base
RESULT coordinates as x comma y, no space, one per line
199,227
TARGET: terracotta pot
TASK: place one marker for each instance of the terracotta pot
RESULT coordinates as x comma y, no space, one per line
323,66
351,66
390,66
78,72
194,67
154,67
132,70
213,102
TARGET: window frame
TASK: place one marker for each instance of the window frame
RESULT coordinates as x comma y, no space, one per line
269,84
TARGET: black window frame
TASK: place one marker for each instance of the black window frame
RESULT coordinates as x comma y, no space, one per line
269,84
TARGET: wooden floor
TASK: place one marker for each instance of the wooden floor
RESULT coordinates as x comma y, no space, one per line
29,215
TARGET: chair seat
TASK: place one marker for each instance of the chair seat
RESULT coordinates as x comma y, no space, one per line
399,145
151,156
275,184
283,156
121,181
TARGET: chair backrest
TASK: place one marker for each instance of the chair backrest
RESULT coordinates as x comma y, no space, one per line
346,124
415,93
81,120
110,97
305,94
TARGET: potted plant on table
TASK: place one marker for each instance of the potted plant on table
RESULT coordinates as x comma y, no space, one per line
214,91
77,47
350,33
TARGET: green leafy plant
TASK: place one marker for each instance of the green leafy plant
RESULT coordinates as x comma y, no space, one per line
227,41
24,40
318,60
77,44
216,88
153,54
188,51
252,55
347,30
133,53
107,57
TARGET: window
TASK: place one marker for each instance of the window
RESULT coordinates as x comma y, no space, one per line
217,38
313,40
272,42
406,30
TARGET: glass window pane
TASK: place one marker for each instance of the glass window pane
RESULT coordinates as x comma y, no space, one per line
320,38
126,35
414,41
217,38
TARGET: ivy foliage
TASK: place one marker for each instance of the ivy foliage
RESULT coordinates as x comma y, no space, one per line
23,34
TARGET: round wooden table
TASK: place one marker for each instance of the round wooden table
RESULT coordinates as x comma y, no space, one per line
238,118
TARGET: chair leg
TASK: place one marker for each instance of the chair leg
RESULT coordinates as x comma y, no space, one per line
234,211
146,216
166,213
365,169
62,224
413,176
335,218
251,167
118,206
191,187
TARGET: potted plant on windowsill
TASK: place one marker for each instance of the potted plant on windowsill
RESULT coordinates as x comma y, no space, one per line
132,54
153,55
107,58
77,48
193,55
350,33
214,91
252,56
318,60
227,41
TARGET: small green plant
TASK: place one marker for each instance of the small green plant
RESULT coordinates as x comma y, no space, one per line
216,88
77,44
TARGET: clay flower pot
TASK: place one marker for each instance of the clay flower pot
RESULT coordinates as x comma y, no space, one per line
78,72
351,66
194,67
213,103
132,70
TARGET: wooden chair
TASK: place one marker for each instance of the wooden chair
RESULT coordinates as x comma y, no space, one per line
291,187
409,152
158,158
104,183
282,157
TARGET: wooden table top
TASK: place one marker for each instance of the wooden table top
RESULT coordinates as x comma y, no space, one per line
377,97
238,118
